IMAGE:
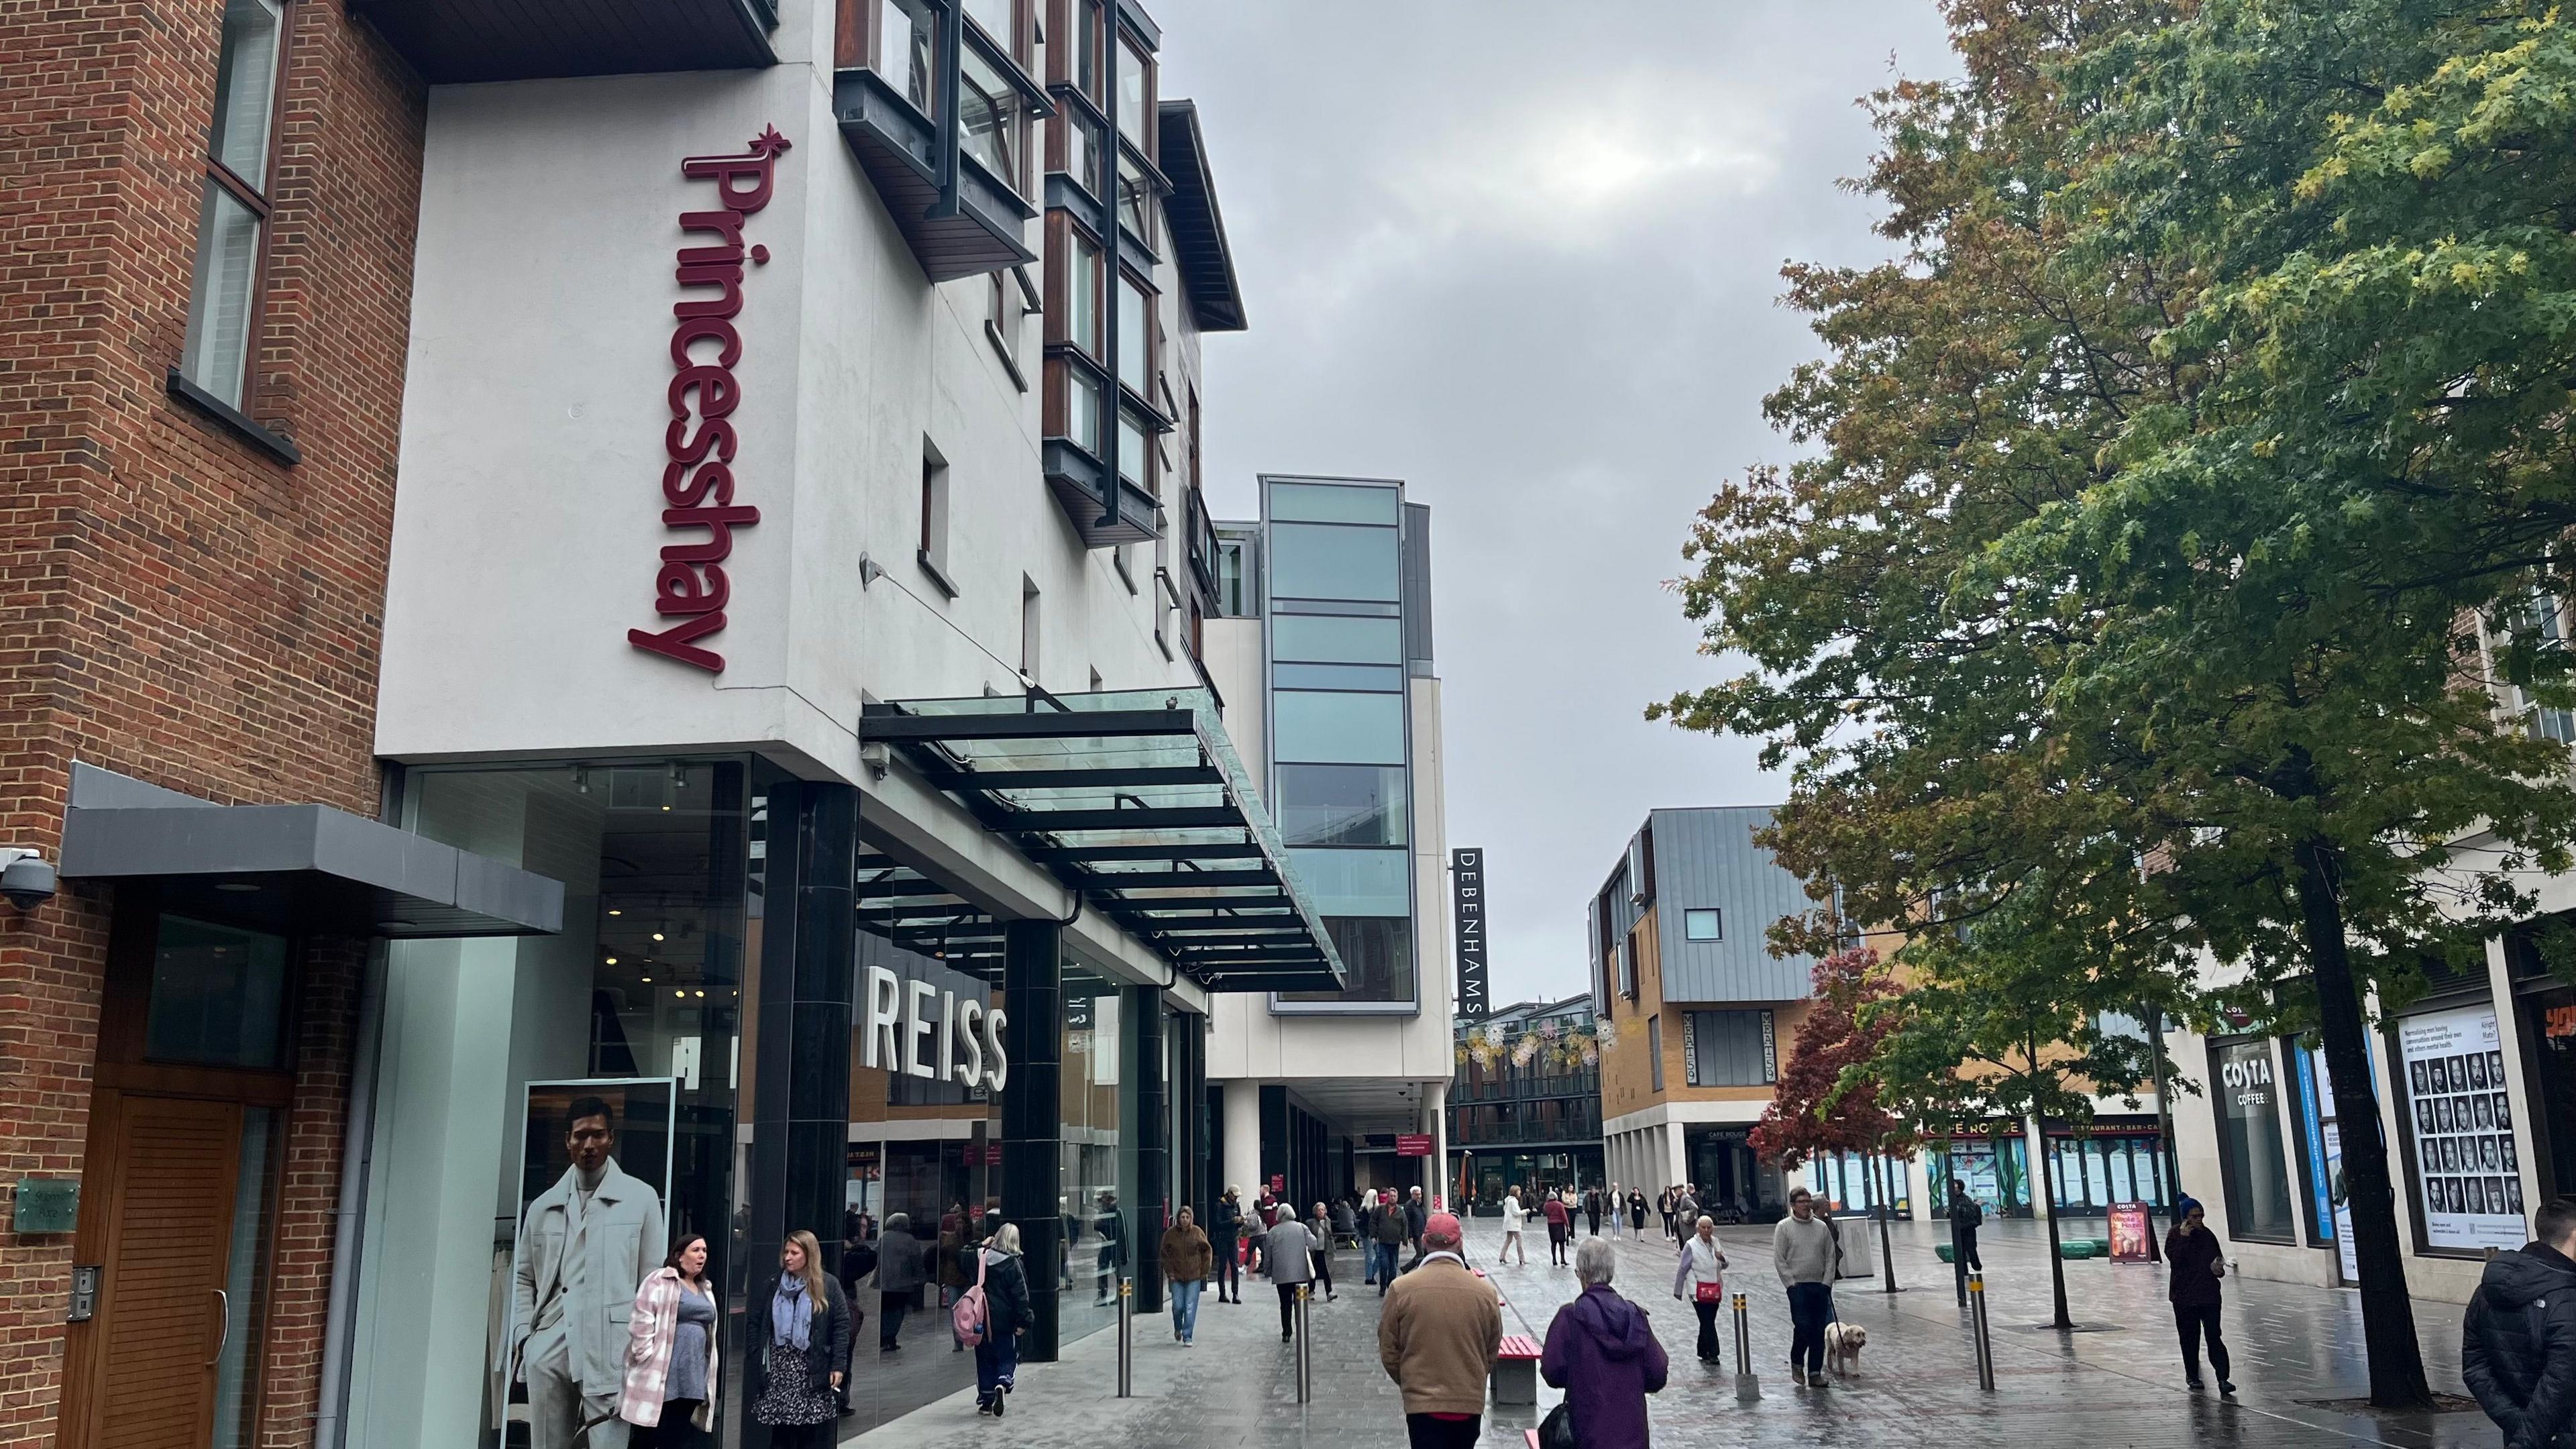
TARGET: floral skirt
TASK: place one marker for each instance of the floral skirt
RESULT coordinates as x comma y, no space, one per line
790,1397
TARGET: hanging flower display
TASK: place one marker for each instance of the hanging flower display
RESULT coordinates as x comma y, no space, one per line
1524,1051
1606,1032
1548,1029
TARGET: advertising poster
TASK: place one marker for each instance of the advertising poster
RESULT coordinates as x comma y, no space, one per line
2466,1173
592,1196
2129,1233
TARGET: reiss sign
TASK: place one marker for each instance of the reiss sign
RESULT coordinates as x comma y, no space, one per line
700,441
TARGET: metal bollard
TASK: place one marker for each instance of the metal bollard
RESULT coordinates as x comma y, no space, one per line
1305,1351
1748,1384
1985,1336
1126,1339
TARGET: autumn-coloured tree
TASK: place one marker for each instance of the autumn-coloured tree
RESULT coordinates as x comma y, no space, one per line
1825,1101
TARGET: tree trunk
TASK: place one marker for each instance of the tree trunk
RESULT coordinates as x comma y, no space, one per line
1886,1205
2387,1315
2048,1197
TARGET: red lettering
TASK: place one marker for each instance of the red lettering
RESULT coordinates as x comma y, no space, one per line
714,476
718,394
680,589
714,433
719,524
726,224
699,329
724,171
727,279
674,643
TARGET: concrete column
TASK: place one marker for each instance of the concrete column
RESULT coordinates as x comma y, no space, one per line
1243,1140
1676,1161
1442,1187
2040,1207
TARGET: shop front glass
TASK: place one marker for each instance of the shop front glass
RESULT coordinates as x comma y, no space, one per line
2253,1163
2549,1029
1097,1229
1995,1169
2106,1166
524,1082
2468,1175
1852,1183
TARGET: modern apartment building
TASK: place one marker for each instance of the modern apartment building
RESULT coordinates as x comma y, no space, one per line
1323,639
1525,1106
759,766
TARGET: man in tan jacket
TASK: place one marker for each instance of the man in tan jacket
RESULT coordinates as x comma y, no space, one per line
1438,1336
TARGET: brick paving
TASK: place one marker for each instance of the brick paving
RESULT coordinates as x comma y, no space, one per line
2121,1386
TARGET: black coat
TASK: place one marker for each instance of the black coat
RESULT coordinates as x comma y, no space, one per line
1006,1296
829,1330
2518,1345
2192,1257
1225,1220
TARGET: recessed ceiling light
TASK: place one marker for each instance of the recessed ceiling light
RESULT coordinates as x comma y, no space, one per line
648,980
236,885
612,960
679,993
657,935
615,912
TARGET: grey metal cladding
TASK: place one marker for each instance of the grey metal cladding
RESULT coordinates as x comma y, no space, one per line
1706,857
1417,589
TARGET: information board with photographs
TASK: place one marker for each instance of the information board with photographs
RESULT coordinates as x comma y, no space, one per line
2469,1179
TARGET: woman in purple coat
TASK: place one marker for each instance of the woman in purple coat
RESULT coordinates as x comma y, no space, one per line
1602,1352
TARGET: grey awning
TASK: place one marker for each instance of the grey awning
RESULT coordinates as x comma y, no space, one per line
296,867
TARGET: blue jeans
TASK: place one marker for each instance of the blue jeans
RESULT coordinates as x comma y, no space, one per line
1185,1307
997,1359
1811,1307
1382,1260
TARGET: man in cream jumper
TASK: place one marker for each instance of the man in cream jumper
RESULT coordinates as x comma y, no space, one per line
1807,1252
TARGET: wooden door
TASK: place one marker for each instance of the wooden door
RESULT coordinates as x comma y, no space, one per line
143,1369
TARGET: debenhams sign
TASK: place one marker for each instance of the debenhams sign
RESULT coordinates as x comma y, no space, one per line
918,1030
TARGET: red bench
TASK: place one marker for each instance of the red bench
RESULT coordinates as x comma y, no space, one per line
1515,1378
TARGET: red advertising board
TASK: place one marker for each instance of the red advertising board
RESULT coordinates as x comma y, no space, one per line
2129,1230
1413,1144
1278,1182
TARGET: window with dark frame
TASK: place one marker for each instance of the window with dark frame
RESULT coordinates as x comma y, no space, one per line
1703,923
934,518
233,218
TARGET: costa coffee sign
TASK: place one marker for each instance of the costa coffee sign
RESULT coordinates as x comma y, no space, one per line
701,441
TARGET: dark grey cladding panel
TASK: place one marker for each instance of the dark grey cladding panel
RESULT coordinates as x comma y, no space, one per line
1706,858
1417,589
352,872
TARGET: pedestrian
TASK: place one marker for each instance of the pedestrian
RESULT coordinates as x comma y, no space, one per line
1601,1350
2518,1341
1513,1216
671,1352
1664,1204
1346,1225
1559,1224
1685,1213
1006,1317
1320,1228
1637,1212
1592,1210
1187,1258
796,1358
1437,1337
1615,1204
945,1264
900,1274
1111,1266
1387,1235
1965,1218
1289,1251
1701,1282
1225,1227
1806,1252
1416,1213
2192,1255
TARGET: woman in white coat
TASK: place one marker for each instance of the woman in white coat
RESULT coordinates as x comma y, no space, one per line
1514,1215
1702,1281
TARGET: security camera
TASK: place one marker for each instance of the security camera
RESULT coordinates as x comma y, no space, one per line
26,880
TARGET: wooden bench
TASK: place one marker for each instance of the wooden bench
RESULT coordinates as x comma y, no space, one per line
1516,1370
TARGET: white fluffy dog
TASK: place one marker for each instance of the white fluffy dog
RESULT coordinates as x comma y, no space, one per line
1843,1343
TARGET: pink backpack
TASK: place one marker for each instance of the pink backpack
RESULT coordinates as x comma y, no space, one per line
968,1316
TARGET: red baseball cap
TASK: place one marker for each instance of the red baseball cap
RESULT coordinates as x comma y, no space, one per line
1443,1226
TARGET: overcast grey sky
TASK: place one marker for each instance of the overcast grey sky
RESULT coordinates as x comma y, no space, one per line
1526,258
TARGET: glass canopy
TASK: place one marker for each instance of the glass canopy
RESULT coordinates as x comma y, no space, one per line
1137,800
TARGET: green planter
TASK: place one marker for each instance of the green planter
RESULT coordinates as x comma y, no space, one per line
2101,1247
1948,1254
2080,1248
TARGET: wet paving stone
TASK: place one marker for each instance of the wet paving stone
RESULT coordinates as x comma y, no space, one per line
2123,1386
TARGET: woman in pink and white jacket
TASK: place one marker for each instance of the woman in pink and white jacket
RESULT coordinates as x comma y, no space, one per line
671,1352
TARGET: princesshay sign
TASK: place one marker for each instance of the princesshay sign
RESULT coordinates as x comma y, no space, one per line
700,442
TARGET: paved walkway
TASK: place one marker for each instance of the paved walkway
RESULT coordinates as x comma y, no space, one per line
2296,1349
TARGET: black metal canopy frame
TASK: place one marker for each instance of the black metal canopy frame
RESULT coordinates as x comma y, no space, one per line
1136,800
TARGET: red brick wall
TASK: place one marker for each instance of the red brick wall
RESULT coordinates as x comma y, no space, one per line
173,603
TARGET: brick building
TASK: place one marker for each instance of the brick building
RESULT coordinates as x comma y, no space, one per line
210,217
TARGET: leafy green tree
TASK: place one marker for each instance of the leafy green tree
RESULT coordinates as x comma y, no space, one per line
2191,489
1825,1101
2026,1015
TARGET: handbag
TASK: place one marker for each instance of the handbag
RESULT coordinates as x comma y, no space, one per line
1709,1293
1556,1431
